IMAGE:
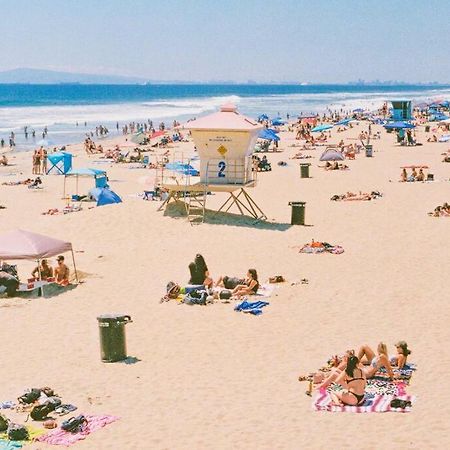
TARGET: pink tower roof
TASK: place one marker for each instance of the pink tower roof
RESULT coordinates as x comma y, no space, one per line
226,119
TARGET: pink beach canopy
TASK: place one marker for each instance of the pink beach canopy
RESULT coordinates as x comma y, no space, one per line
226,119
20,244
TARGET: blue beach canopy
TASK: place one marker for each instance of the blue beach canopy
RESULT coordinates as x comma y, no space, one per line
86,173
268,134
277,121
263,117
398,125
104,196
61,162
322,127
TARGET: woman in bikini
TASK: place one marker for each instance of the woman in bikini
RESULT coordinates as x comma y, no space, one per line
250,286
375,361
353,380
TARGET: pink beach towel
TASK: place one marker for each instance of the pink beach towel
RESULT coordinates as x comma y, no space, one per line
377,403
61,437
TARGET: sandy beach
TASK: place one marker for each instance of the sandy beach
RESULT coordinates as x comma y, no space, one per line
208,377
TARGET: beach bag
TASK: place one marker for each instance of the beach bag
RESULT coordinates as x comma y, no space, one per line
40,412
398,403
74,424
30,397
17,432
195,298
225,294
172,289
3,423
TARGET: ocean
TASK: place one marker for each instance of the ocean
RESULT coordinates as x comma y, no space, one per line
61,107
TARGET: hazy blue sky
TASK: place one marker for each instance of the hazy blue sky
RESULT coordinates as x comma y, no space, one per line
315,40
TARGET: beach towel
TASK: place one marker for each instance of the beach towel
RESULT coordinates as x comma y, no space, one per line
7,404
9,445
334,249
61,437
373,403
251,307
33,433
265,290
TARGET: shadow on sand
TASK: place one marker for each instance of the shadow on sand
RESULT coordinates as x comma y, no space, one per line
178,210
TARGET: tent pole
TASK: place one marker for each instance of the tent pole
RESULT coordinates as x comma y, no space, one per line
40,277
74,266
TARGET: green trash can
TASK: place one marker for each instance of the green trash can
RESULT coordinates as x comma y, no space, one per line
427,128
113,345
369,151
297,213
304,170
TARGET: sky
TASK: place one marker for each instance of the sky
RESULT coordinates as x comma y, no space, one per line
323,41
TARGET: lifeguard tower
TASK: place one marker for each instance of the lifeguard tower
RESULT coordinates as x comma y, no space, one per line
225,141
401,110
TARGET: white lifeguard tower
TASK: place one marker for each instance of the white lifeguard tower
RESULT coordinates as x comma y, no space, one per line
225,141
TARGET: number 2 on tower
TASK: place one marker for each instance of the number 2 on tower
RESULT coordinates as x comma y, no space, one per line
222,166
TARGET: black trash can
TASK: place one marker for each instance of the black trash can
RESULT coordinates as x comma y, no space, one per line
427,128
369,151
304,170
113,345
298,213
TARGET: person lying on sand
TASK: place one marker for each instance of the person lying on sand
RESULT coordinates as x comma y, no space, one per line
61,272
250,285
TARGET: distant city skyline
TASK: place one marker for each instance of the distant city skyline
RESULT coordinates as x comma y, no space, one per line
237,41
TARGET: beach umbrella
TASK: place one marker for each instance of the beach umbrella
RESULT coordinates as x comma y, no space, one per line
268,135
331,155
138,138
344,122
45,143
398,125
322,127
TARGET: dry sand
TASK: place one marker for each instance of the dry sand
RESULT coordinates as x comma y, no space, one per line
211,378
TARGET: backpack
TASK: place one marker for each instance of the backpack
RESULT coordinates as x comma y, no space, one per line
30,397
17,432
40,412
173,289
195,298
74,424
3,423
225,294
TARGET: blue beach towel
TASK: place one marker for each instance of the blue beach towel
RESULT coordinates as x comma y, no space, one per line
251,307
9,445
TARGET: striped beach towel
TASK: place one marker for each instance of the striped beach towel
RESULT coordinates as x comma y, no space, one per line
373,403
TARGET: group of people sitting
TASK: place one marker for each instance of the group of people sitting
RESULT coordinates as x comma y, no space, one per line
350,196
45,272
441,211
91,148
261,164
9,278
335,166
414,176
352,370
239,287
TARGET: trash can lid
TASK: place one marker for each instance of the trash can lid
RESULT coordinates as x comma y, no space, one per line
114,318
297,203
305,164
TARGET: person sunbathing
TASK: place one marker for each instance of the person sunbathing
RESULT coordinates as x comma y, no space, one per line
3,160
250,285
354,382
375,361
43,271
401,357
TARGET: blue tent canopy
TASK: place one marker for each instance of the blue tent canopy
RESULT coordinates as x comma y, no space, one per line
104,196
398,125
86,173
61,162
277,122
322,127
268,134
263,117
